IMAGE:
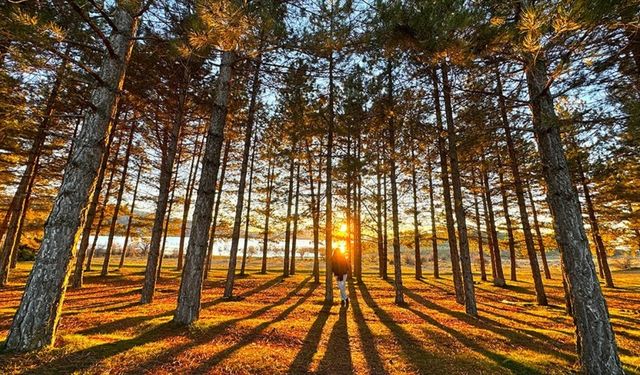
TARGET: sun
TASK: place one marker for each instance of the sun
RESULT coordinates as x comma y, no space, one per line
343,228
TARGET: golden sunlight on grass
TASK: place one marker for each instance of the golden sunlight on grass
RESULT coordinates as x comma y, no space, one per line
282,326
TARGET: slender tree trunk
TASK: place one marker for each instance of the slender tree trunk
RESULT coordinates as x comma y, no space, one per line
385,236
166,169
237,223
130,220
494,247
188,309
483,272
432,211
541,296
391,131
116,210
23,215
416,232
596,343
595,228
267,216
315,212
328,296
247,216
191,181
379,235
167,222
446,190
287,232
461,221
78,274
358,210
34,324
507,219
20,202
348,210
294,236
216,209
103,211
536,224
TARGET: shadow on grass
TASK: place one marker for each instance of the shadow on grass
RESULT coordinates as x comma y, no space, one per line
301,362
369,350
337,357
85,358
542,342
132,321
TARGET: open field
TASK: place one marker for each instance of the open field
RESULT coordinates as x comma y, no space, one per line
282,326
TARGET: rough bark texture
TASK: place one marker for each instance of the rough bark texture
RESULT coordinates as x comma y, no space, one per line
446,195
188,309
432,212
595,339
38,314
461,220
541,296
496,259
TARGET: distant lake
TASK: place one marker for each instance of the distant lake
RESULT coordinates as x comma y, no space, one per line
221,247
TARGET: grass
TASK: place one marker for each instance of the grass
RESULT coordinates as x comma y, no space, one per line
282,326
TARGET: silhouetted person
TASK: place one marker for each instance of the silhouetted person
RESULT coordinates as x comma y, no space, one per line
340,267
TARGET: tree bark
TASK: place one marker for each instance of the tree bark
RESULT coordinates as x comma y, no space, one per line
416,232
494,247
507,219
116,210
167,221
541,296
294,235
446,192
188,309
191,181
385,225
483,271
595,339
287,231
247,215
166,169
237,223
130,220
379,235
461,220
38,314
328,296
315,212
267,216
432,211
216,209
536,224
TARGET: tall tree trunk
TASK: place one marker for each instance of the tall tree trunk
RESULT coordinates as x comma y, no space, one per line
461,220
358,210
294,235
34,324
167,222
188,309
78,274
287,231
446,193
391,133
379,235
23,215
595,228
385,211
483,271
416,232
267,216
541,296
494,247
247,215
216,209
103,211
315,212
116,209
130,220
348,210
166,169
507,220
596,343
328,296
536,224
237,223
191,180
19,204
432,211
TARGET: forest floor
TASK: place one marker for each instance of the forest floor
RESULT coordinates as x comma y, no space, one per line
282,326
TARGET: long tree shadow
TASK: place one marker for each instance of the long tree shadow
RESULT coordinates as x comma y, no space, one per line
367,339
426,362
301,362
132,321
251,336
543,343
85,358
337,357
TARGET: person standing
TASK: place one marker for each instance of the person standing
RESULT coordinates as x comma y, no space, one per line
340,267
